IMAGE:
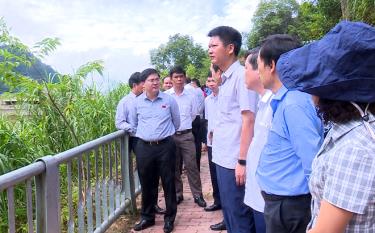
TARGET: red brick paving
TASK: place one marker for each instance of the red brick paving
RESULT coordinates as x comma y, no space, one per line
190,217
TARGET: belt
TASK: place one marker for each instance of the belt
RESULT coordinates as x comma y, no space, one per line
274,197
157,142
183,131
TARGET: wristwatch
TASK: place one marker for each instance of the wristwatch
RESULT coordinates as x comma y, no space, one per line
242,162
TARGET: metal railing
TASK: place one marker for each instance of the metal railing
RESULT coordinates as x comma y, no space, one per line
84,189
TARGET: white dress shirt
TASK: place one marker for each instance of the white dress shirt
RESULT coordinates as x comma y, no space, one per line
187,105
233,98
200,98
210,110
262,125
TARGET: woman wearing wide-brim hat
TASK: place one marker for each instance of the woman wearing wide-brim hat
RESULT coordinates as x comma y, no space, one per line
339,71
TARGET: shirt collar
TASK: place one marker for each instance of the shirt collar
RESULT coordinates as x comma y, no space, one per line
228,73
144,96
132,94
338,130
280,94
172,91
267,95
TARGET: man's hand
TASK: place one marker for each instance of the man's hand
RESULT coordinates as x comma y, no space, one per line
240,172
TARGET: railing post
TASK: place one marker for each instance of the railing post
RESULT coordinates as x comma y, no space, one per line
127,171
48,197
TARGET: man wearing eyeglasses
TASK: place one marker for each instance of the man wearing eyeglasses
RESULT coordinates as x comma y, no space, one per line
155,117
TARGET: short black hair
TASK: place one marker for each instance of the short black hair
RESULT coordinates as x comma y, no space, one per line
177,70
228,35
147,72
252,56
209,74
196,81
274,45
134,79
340,112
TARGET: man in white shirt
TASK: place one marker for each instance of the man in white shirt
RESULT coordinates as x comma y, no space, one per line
210,112
262,125
234,128
197,122
184,139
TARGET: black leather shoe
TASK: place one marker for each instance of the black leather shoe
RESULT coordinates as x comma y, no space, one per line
219,226
159,210
168,227
213,207
179,199
200,201
143,224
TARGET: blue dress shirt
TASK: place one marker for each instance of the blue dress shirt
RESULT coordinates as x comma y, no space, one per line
154,120
293,141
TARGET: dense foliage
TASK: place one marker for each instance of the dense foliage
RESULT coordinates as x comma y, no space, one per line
51,116
309,20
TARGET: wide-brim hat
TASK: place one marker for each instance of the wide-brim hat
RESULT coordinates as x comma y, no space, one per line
340,66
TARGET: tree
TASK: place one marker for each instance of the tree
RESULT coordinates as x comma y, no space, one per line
359,10
272,17
310,23
181,50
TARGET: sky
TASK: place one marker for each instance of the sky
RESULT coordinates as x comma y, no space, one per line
119,32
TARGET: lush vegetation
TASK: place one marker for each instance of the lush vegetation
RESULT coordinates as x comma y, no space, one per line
309,20
54,114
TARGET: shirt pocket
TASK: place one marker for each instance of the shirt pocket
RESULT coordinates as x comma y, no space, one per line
144,112
224,103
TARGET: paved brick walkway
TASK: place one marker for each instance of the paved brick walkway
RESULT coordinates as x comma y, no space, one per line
190,217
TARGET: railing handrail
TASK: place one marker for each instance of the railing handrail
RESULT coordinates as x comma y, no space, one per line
118,184
21,174
71,153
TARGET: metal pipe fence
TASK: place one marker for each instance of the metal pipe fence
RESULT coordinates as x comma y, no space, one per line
84,189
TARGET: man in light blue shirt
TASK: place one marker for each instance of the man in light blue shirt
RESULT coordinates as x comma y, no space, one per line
123,107
155,117
293,141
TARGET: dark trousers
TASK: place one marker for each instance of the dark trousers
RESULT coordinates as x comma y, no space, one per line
238,217
260,224
285,214
215,187
154,161
132,143
203,131
196,125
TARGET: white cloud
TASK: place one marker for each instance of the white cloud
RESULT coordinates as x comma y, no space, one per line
118,31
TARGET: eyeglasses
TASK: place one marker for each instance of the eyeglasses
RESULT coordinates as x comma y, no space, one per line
155,80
